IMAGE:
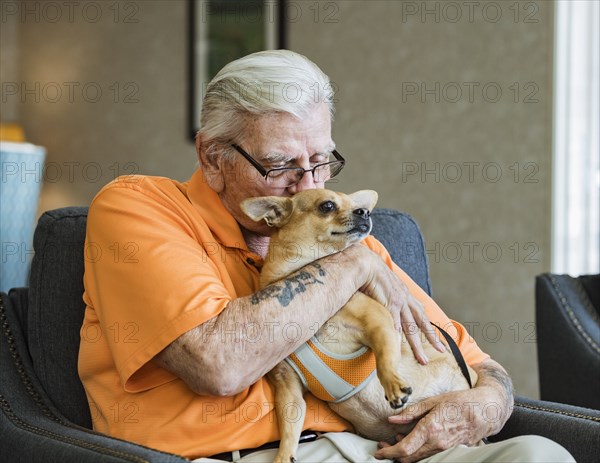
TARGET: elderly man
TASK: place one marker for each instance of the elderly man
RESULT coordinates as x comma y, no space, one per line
183,336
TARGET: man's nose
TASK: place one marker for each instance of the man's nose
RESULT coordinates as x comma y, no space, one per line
307,182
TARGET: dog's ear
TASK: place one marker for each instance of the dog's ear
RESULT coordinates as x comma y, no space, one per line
275,210
365,199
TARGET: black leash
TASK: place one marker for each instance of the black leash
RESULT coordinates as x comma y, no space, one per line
457,355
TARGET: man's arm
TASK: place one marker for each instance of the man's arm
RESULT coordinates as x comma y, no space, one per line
492,375
448,420
246,340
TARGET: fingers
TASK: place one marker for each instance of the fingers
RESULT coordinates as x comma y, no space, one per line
407,312
377,284
395,454
415,445
414,412
408,449
412,335
397,314
382,454
424,324
398,419
433,432
414,320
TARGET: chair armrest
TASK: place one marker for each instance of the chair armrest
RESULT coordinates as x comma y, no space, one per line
568,340
575,428
31,429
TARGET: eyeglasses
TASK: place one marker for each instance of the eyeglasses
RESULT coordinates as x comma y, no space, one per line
284,177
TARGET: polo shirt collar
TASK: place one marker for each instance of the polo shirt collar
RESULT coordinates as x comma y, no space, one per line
221,223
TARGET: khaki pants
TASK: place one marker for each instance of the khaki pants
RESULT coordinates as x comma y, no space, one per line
346,447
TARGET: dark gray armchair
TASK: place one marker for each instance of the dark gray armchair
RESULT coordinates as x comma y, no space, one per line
568,334
45,416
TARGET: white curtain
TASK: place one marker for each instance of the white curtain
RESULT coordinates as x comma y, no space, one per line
576,167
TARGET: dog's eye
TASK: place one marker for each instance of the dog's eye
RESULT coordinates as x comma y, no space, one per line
327,206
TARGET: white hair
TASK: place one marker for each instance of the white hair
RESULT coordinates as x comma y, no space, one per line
260,84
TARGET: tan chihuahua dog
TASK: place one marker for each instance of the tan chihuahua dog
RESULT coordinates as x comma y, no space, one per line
316,223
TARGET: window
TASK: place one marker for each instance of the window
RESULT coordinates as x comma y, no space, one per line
576,169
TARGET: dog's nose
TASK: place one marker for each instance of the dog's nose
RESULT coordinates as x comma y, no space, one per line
364,213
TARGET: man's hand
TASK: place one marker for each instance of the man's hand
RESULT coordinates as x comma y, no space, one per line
408,313
448,420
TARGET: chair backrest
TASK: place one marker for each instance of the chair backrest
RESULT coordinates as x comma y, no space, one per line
56,308
403,239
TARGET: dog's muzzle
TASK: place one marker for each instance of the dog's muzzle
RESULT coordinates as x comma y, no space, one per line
364,213
360,223
362,220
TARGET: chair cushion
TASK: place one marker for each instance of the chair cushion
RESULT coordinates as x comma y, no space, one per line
56,309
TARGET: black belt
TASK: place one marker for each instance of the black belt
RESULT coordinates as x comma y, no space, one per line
306,436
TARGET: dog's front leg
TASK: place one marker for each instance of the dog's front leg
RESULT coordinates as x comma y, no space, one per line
290,408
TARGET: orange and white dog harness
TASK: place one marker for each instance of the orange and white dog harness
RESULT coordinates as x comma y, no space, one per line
330,376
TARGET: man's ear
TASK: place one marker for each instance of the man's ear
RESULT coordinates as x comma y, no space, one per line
365,199
210,164
275,210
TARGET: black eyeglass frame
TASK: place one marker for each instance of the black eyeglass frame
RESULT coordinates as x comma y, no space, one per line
265,173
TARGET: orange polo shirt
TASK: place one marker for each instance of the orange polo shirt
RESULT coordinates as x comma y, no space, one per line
162,257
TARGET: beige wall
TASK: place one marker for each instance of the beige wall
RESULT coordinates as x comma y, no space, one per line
121,74
9,65
376,53
412,149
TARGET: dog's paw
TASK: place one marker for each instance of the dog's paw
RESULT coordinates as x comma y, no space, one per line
396,393
399,403
284,458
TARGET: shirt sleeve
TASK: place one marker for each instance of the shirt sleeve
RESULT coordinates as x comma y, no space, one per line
148,278
467,345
